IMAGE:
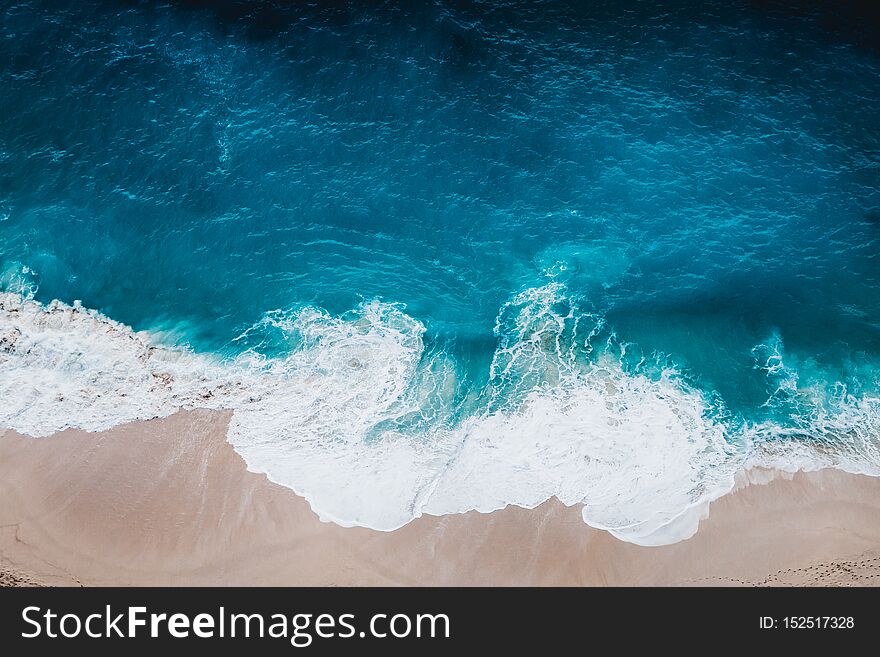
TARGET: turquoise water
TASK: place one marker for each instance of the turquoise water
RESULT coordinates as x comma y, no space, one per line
693,191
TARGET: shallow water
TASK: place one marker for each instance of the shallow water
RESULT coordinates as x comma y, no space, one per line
454,257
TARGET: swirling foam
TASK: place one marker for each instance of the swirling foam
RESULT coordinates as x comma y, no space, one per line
360,418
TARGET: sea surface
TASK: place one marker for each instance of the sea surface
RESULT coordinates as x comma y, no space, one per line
451,256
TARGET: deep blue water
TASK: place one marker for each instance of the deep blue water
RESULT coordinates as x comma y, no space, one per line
707,180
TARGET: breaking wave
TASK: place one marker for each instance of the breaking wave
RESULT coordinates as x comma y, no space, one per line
375,428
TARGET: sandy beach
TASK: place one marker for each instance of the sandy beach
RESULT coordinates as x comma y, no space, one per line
168,502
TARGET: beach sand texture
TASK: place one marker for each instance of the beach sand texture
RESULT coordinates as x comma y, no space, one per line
168,502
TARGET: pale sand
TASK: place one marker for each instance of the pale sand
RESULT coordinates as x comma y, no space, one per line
169,502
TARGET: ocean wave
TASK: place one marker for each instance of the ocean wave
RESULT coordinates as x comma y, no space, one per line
373,429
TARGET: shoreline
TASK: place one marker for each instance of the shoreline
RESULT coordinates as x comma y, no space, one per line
169,502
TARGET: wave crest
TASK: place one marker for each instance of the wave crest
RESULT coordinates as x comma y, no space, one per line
355,413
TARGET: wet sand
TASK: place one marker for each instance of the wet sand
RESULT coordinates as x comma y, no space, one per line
168,502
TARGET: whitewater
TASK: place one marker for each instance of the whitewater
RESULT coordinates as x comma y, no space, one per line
450,256
334,418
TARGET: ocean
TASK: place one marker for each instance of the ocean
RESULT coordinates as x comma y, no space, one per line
451,256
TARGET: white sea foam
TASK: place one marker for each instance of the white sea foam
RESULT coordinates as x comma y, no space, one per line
827,427
18,278
66,366
362,420
839,431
